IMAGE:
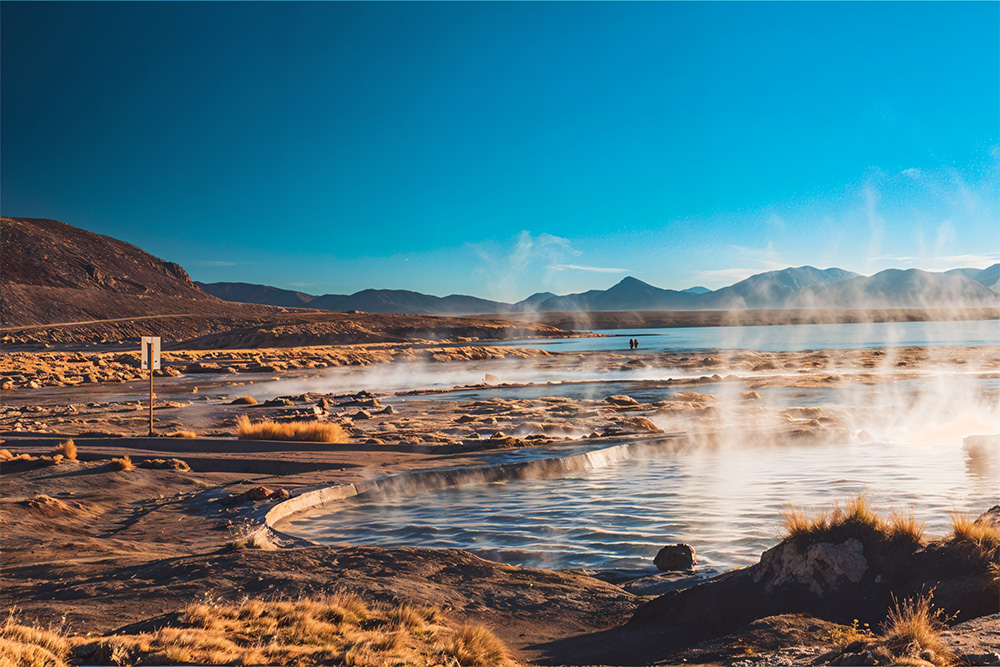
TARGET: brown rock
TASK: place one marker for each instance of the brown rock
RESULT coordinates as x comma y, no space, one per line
676,557
620,400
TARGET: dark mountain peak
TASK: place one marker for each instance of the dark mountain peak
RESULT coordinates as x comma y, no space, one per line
631,281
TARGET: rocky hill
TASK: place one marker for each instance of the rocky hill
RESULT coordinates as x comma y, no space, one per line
63,284
791,288
57,273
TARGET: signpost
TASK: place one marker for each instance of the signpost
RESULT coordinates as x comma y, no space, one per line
151,361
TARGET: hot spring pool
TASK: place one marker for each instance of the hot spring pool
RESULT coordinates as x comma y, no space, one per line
726,503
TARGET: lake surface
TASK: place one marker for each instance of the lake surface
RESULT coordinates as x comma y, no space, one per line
726,503
785,337
902,445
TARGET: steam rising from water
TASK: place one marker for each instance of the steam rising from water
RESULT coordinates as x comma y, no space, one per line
892,426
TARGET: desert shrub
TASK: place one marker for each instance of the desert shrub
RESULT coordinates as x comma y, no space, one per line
300,431
28,646
249,536
123,463
473,645
244,400
913,628
982,538
911,635
165,464
67,449
856,519
336,629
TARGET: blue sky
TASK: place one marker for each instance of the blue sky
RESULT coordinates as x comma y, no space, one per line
499,149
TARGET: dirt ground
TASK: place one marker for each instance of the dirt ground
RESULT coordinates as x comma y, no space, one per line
106,549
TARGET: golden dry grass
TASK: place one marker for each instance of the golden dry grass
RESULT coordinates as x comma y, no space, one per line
982,536
475,646
67,449
911,635
27,646
244,400
913,628
124,463
338,629
298,431
855,519
182,434
249,537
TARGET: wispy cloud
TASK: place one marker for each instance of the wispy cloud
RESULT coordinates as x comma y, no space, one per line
942,262
592,269
513,268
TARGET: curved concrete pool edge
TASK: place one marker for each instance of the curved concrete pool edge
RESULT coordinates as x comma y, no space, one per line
438,478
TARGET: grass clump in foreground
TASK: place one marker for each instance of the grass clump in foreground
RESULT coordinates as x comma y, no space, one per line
27,646
337,630
911,635
300,431
856,519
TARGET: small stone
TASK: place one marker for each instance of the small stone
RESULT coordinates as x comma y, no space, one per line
676,557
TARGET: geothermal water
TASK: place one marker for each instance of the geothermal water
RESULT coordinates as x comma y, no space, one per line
725,503
786,337
901,442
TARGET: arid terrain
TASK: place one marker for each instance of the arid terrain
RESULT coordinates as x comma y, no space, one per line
125,548
103,550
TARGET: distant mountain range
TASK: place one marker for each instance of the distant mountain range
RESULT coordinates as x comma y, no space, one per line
800,287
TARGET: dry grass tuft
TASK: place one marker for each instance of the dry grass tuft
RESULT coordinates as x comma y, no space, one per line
913,628
67,449
338,629
299,431
250,538
165,464
905,528
475,646
911,635
124,463
182,434
7,456
26,646
980,540
244,400
856,519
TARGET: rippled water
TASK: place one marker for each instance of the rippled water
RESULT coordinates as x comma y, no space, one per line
786,337
726,503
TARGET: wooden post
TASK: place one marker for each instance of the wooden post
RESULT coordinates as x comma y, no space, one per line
150,357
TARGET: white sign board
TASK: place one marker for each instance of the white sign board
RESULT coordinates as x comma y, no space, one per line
151,352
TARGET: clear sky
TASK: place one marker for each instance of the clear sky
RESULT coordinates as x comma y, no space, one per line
499,149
